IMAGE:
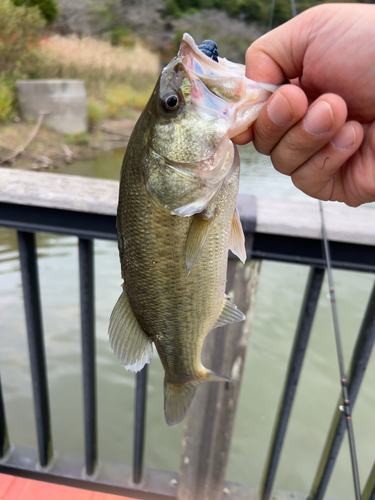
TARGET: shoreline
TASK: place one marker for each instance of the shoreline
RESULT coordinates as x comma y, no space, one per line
49,149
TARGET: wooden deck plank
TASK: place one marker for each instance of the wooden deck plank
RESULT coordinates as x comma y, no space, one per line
285,217
15,489
19,488
5,484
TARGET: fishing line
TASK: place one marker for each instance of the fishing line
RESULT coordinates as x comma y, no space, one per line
271,15
345,408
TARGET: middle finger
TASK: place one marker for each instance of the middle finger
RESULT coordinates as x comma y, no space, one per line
323,120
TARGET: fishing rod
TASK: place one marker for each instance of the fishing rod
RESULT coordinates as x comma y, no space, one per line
345,408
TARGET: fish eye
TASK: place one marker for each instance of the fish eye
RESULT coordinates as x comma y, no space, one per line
171,102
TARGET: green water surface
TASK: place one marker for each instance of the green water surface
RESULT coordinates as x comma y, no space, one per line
277,307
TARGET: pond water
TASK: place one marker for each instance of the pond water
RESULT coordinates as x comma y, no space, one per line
277,307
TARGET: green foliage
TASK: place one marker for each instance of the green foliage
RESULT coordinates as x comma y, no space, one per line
82,139
282,12
252,10
122,36
20,31
7,100
247,10
122,97
47,8
96,111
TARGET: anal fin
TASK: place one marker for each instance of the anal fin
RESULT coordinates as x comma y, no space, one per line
131,345
229,313
237,238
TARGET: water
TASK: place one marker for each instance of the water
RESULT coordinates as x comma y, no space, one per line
278,302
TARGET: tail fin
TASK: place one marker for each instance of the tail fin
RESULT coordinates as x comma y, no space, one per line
178,397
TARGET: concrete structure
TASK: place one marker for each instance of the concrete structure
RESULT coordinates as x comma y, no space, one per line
63,100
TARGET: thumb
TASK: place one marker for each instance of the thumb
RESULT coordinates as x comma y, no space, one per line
279,54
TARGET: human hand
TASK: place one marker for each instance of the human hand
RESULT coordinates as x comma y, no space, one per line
321,129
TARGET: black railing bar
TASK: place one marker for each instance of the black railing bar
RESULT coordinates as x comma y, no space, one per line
52,220
30,285
4,437
116,478
86,274
139,424
307,251
301,338
360,357
369,489
346,406
310,261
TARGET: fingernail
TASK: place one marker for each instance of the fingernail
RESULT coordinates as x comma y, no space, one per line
279,111
319,119
345,138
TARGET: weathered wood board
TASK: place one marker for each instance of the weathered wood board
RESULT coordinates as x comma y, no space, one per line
274,216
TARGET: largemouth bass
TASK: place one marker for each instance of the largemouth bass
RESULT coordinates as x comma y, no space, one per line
177,217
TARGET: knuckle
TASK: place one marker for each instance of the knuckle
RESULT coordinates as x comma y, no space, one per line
263,140
278,164
290,144
251,49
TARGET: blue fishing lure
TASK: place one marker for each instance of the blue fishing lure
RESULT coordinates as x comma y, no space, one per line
210,49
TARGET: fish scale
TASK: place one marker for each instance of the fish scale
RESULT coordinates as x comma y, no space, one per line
153,268
177,218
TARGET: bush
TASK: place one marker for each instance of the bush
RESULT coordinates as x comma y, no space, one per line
47,8
123,36
20,31
252,10
121,97
7,99
96,111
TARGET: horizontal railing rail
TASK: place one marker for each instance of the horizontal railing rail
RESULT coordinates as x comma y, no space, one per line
274,230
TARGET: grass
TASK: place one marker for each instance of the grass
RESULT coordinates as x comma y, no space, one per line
118,80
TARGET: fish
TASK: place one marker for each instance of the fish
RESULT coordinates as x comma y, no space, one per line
177,218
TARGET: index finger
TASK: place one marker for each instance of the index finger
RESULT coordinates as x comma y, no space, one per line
279,54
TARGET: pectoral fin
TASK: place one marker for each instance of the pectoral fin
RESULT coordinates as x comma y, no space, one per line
197,238
229,314
237,238
131,345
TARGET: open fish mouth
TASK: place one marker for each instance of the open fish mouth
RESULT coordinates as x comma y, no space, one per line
239,98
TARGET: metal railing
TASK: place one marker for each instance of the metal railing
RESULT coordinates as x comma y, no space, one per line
133,480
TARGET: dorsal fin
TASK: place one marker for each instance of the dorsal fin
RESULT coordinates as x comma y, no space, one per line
131,345
197,238
237,238
229,313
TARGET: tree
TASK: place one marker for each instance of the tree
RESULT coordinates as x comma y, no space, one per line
20,31
47,8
